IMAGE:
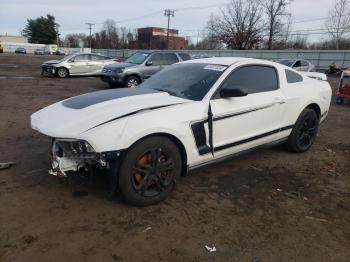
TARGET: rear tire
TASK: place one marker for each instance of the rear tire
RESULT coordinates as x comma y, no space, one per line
62,72
149,171
304,132
339,100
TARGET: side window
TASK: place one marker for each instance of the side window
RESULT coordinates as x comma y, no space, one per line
156,59
304,63
97,57
169,59
254,79
81,58
293,77
297,64
185,56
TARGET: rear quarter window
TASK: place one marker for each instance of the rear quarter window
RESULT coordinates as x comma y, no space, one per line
293,77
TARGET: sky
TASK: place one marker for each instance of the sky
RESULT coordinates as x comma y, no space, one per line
72,15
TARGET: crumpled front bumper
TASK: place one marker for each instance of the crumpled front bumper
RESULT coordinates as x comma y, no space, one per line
48,70
65,160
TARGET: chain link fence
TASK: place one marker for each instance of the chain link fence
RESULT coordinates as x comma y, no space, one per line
321,59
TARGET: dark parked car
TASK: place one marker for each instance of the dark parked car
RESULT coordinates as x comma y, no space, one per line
39,52
20,50
140,66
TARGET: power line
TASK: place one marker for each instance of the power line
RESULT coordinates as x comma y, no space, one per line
310,20
199,7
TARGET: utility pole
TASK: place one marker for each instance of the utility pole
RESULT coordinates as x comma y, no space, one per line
168,13
90,26
57,36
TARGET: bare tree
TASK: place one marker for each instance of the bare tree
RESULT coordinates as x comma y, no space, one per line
111,34
338,22
72,40
276,14
210,41
239,26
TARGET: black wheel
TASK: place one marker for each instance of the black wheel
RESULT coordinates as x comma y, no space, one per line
339,100
304,132
62,72
132,81
149,171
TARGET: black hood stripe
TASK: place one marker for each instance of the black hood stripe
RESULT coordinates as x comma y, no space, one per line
89,99
132,113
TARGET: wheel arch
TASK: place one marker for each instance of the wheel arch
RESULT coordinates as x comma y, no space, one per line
135,75
176,141
59,67
316,108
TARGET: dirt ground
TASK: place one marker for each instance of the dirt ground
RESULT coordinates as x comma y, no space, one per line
270,205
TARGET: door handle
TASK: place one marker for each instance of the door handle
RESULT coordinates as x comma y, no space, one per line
278,100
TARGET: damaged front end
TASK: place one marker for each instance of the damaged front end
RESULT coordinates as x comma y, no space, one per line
69,155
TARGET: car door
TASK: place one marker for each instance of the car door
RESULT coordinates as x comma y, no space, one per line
304,66
169,59
152,65
297,65
79,64
250,119
96,64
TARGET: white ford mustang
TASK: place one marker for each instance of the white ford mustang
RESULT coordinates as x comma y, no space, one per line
192,114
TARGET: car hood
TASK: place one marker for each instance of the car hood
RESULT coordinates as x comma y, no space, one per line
73,116
120,65
51,62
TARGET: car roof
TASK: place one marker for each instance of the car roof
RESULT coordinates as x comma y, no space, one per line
287,59
227,61
162,51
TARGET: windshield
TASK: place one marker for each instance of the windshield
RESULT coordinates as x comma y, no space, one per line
67,57
286,62
190,81
137,58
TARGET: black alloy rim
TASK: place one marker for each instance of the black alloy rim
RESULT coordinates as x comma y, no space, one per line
153,172
307,132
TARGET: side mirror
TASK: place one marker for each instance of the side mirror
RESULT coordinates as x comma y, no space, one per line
71,60
149,63
227,93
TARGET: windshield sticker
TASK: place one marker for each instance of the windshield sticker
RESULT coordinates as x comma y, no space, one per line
215,67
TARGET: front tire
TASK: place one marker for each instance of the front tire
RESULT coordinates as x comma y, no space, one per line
149,171
132,81
62,72
304,132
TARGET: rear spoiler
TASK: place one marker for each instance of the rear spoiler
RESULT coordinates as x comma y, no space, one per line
314,75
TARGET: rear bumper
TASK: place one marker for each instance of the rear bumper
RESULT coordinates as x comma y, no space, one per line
339,94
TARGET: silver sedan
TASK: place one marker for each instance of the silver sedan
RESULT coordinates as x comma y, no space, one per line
298,64
77,65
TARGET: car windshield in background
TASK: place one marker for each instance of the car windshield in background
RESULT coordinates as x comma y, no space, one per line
190,81
137,58
67,57
286,62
